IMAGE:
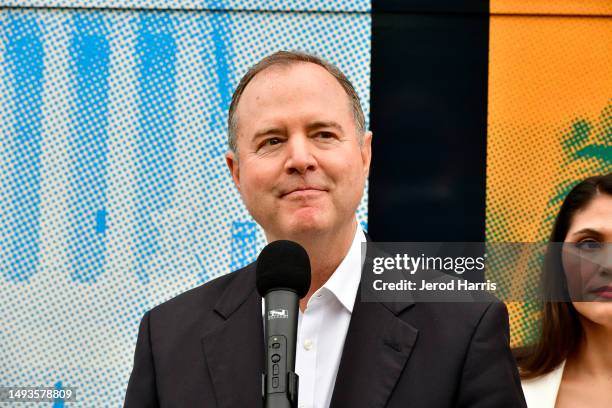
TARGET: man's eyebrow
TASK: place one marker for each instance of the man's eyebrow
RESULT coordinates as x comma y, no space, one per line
323,124
272,130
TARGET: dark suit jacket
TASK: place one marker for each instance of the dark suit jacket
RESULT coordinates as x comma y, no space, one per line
205,348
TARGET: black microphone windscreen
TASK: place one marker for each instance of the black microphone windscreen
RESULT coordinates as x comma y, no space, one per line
283,265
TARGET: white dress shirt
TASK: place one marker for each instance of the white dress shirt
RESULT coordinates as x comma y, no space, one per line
322,329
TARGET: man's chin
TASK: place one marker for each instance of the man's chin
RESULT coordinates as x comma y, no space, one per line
305,225
308,226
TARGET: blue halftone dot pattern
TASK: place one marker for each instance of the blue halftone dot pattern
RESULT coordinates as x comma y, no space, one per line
202,274
220,33
136,202
101,221
244,244
24,57
364,225
226,5
88,147
156,55
58,402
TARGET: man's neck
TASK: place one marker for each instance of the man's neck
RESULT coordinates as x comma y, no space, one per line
326,251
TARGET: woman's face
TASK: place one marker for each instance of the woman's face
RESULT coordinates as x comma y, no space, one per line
587,260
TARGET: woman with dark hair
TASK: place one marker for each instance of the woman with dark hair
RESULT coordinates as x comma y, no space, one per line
571,363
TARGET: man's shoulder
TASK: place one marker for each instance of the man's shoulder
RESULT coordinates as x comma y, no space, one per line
473,310
465,306
462,317
202,299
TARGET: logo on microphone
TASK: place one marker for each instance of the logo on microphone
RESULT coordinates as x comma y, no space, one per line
278,314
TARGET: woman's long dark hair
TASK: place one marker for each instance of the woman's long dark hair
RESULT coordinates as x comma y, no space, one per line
561,330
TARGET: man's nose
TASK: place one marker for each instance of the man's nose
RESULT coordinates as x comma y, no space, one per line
300,155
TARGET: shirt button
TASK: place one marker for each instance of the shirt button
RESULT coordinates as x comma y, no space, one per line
307,344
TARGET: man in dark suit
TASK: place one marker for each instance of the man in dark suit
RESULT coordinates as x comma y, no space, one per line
300,155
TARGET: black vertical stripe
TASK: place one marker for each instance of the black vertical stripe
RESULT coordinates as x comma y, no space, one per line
429,118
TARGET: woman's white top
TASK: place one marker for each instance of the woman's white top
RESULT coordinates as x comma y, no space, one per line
541,392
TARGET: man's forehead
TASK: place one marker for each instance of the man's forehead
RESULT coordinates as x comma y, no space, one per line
305,75
283,85
289,68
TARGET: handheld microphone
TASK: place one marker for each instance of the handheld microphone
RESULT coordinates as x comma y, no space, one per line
283,278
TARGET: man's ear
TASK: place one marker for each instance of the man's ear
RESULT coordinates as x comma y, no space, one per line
231,159
366,152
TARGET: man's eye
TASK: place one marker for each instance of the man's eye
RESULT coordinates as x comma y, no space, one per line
325,135
589,245
271,141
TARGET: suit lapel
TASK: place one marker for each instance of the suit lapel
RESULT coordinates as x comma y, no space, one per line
377,346
234,350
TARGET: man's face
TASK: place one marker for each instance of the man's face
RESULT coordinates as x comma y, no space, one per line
299,166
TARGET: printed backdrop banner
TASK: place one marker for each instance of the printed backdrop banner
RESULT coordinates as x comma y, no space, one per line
114,193
549,119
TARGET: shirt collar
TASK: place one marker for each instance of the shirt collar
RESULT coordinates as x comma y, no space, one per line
344,282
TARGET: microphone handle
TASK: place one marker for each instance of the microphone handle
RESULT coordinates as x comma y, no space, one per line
280,383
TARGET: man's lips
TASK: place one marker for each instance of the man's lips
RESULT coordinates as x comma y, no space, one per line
303,191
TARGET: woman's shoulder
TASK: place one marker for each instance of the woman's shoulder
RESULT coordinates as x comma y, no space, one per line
541,392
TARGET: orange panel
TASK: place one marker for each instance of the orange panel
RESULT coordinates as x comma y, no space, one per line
549,122
552,7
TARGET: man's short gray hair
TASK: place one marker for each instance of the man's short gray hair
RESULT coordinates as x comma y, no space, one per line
288,58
